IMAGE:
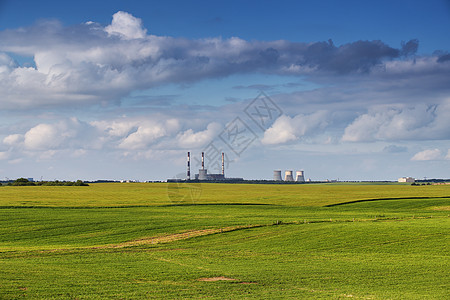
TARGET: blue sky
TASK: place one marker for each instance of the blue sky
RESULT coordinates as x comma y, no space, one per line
342,21
122,89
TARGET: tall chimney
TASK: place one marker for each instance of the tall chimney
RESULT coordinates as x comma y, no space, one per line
203,160
189,166
223,165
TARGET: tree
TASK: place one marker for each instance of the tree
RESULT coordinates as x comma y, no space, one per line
22,182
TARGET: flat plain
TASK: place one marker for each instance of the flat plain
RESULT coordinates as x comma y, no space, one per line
225,241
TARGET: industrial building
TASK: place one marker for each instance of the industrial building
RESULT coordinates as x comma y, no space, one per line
406,179
203,174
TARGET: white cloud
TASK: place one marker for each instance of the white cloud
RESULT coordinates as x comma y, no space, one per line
75,137
366,127
127,26
64,134
448,155
115,128
191,139
47,155
13,139
282,131
286,129
42,136
135,133
143,137
400,123
6,63
430,154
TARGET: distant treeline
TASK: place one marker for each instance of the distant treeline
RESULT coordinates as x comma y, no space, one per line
26,182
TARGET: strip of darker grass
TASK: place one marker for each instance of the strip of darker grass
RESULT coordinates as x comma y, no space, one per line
383,199
135,206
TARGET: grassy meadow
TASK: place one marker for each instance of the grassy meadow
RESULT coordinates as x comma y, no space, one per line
225,241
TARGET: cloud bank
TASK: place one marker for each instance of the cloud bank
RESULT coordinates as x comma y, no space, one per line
91,63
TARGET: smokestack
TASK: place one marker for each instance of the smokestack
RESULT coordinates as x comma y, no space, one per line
223,165
203,160
189,166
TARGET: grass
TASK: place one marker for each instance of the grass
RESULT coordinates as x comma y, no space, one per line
128,241
138,194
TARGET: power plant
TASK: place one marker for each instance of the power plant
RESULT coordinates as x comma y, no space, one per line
288,176
203,174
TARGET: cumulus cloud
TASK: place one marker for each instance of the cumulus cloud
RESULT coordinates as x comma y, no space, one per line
67,133
90,63
430,154
78,137
189,138
421,122
286,129
13,139
143,137
43,136
126,26
135,133
6,63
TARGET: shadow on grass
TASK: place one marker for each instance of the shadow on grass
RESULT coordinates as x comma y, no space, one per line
219,204
134,206
383,199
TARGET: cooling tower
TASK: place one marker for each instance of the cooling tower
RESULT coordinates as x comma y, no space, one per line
299,176
277,175
288,176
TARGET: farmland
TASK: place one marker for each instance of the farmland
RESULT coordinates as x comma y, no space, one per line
158,240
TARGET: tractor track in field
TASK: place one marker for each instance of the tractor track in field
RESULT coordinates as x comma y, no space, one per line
146,240
175,237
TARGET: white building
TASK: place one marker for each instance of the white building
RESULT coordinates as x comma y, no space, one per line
406,179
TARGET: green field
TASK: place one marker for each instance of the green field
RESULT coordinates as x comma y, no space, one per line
225,241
